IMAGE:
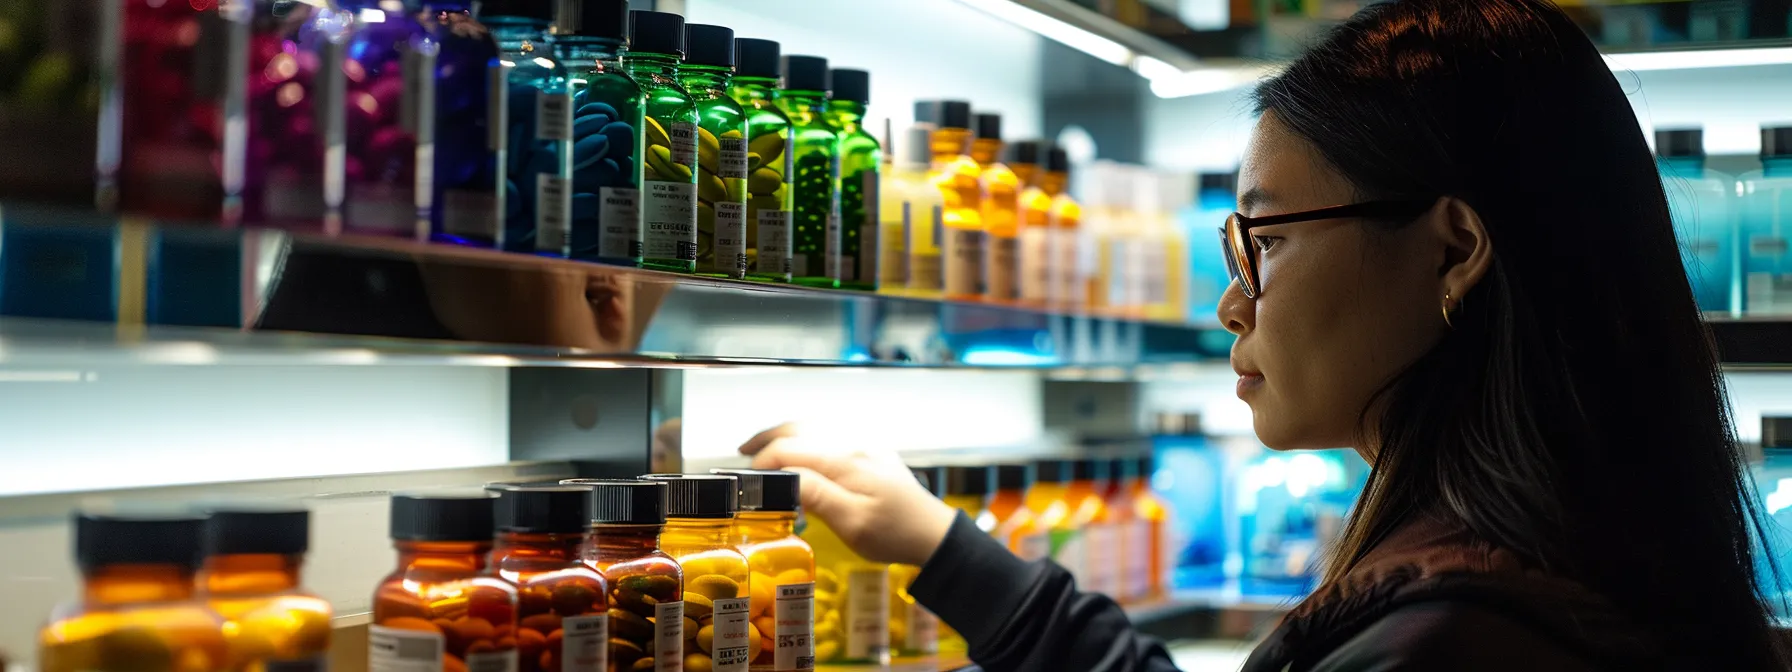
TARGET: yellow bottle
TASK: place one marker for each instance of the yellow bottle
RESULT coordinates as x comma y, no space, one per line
1016,525
1151,509
1069,267
251,578
912,212
1033,222
960,182
718,630
783,566
1001,188
852,601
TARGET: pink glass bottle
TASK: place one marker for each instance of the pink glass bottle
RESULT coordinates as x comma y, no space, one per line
293,176
390,69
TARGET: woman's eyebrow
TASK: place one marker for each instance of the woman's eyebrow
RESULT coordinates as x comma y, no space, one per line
1252,199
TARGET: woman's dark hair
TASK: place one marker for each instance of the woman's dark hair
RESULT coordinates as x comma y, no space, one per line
1576,414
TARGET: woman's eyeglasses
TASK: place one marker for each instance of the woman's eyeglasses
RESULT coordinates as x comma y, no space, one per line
1242,252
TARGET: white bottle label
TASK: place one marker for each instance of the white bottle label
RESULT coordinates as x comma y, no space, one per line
553,116
730,635
1004,268
1035,264
1156,275
867,613
669,215
831,248
668,637
620,214
395,650
964,262
1067,269
731,237
1101,548
553,213
923,630
470,213
492,661
684,143
794,612
892,264
385,208
1136,548
585,643
774,242
733,158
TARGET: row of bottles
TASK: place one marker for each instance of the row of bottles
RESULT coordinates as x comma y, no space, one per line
1733,230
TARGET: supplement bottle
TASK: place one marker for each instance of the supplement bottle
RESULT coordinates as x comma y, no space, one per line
468,176
1071,280
1033,221
295,115
913,206
1100,537
1773,480
1216,198
1134,533
647,616
914,631
852,601
861,159
814,171
669,173
137,608
1765,244
1000,209
251,578
606,134
1151,512
390,130
721,152
1016,526
960,180
719,633
562,613
535,146
783,566
1699,200
443,608
1050,496
769,189
1290,507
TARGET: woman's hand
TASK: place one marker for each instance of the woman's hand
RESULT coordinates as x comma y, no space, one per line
871,501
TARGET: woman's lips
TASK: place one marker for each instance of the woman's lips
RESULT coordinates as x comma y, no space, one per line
1249,382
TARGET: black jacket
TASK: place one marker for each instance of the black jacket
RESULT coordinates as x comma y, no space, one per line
1426,599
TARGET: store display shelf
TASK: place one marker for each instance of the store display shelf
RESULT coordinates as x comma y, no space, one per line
192,295
1754,342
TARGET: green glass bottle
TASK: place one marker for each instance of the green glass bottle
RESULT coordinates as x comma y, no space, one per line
721,152
860,158
769,190
815,168
606,137
669,168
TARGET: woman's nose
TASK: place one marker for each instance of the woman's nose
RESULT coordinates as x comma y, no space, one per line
1237,312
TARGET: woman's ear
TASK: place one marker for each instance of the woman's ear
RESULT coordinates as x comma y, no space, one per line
1467,248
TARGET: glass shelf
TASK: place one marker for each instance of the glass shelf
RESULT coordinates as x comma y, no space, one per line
76,286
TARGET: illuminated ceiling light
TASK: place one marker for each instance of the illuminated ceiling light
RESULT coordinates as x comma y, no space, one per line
1698,58
1203,81
1055,30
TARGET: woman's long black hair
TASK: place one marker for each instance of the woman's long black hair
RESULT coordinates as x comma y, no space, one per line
1576,414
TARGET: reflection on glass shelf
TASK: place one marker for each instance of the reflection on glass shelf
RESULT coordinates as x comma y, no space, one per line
184,295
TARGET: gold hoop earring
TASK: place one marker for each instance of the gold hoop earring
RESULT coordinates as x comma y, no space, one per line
1450,306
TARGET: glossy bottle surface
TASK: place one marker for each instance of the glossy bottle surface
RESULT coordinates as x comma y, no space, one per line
669,174
134,618
388,128
852,602
1035,236
537,154
468,177
999,205
270,620
606,150
1099,539
919,211
1070,272
646,590
1700,201
562,613
719,633
178,98
722,173
815,178
964,234
769,192
1765,239
861,161
782,587
292,178
444,596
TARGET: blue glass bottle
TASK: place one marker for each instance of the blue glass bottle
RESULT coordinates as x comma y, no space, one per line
534,109
1700,200
1193,474
390,135
1216,198
467,180
1766,228
607,142
1773,488
1290,508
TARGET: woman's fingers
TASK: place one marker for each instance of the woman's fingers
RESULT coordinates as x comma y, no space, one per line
767,437
823,497
788,453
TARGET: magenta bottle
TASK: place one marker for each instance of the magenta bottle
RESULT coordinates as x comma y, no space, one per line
293,177
390,77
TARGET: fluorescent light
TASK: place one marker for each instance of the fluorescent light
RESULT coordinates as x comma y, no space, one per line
1205,80
1154,69
1055,30
1698,58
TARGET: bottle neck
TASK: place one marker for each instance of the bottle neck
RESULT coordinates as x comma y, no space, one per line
813,102
696,531
517,34
625,539
950,143
132,584
985,150
251,573
970,504
1777,166
1683,164
588,50
847,113
757,526
753,89
1054,182
707,81
652,64
463,556
565,547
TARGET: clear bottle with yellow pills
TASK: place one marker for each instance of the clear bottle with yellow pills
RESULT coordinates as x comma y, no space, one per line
251,578
852,601
914,631
783,566
718,628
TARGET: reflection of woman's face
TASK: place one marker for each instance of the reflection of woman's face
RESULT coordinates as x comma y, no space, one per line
562,305
1345,305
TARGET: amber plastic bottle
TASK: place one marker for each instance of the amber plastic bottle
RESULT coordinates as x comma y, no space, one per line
647,616
960,180
1017,526
251,578
1000,208
1134,533
137,609
443,603
1153,512
563,619
783,566
699,534
1072,284
1050,497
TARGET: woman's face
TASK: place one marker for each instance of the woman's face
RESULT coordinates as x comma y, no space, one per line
1345,305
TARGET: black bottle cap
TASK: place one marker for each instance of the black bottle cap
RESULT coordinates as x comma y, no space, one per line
970,480
656,32
931,478
544,509
1123,468
804,73
755,57
1089,469
539,10
988,125
1014,476
148,538
442,517
1146,465
850,84
1680,143
1053,470
951,114
1022,153
699,495
709,45
766,490
1776,432
1056,160
1217,181
925,112
603,19
624,502
254,529
1776,141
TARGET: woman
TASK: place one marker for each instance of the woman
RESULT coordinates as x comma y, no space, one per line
1497,321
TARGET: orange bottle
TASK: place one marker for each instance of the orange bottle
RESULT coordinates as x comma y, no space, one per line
1150,509
137,609
960,181
1016,525
251,578
1134,531
1058,507
1100,537
1072,284
1000,210
645,582
442,603
563,621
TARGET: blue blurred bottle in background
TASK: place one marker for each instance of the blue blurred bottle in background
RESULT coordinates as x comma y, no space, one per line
1703,221
1766,227
1191,477
1290,507
1216,198
1773,487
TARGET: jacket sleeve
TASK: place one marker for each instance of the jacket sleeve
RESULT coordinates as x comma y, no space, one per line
1028,616
1449,636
